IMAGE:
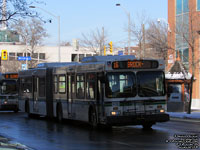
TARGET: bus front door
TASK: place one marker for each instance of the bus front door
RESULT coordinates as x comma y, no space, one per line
35,94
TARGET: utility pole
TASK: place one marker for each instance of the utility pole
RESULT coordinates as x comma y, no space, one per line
102,42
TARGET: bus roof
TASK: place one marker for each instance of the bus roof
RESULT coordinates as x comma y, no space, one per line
55,64
107,58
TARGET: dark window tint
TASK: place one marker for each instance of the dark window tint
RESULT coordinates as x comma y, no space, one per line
41,87
150,83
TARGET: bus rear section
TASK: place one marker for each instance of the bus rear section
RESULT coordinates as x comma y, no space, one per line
9,92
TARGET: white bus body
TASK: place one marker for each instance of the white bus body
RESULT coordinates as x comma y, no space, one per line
108,90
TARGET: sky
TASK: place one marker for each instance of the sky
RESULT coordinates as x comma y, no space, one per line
84,16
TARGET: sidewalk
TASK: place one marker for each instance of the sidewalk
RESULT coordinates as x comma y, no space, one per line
195,114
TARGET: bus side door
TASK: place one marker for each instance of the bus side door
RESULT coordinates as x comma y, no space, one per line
70,93
35,93
100,93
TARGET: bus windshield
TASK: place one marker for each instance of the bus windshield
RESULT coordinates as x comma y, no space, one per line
9,87
150,83
120,85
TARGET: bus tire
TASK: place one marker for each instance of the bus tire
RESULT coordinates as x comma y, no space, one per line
27,110
16,110
59,113
147,126
93,118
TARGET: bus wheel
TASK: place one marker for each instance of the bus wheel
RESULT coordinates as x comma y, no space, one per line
93,118
147,126
16,110
59,114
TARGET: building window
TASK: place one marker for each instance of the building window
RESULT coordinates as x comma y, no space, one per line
11,56
88,55
185,6
74,57
35,55
28,54
178,7
19,54
42,56
182,6
185,55
198,4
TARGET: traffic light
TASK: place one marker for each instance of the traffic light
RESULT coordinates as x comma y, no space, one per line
104,48
4,55
111,47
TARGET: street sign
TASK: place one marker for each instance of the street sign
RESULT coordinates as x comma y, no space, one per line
120,53
21,58
24,66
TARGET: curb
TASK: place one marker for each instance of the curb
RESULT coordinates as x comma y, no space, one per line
185,119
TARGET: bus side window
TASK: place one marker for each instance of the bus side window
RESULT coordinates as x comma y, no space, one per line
26,85
73,87
80,84
55,84
69,87
90,85
42,87
62,84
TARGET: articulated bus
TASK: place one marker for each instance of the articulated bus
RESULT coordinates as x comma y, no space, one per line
100,90
9,92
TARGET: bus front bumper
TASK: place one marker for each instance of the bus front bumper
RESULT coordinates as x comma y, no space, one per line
136,119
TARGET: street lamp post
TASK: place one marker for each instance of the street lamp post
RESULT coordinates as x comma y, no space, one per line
168,27
58,18
129,26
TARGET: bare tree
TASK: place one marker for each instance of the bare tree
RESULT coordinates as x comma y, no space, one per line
156,37
16,9
138,33
32,34
11,66
94,40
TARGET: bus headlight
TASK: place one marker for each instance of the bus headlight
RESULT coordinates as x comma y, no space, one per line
5,101
115,113
162,110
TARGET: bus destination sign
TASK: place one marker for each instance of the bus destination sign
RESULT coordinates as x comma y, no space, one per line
135,64
11,76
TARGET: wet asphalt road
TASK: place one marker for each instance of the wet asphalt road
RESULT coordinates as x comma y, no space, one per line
40,134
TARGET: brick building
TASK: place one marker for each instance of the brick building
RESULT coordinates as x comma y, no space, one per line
184,39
